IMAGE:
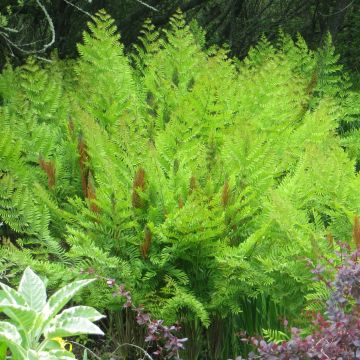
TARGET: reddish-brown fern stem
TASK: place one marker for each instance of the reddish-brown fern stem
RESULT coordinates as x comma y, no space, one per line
91,194
138,186
83,157
87,179
180,202
356,231
71,128
145,246
225,194
309,92
330,239
192,185
312,84
49,168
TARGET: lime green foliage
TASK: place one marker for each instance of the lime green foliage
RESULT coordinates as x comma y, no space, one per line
201,182
36,328
275,336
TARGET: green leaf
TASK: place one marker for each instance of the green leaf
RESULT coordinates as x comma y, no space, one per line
60,298
23,315
62,354
70,327
85,357
275,336
49,355
9,333
34,355
12,295
3,349
85,312
33,290
10,336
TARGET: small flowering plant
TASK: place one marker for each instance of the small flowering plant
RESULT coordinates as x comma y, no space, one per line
337,332
159,335
36,328
167,343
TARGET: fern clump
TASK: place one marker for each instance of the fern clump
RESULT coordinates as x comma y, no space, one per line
200,181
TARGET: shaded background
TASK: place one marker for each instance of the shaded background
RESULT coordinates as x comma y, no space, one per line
239,23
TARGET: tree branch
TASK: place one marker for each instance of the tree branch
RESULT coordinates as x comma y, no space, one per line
51,25
78,8
21,47
339,11
147,5
9,29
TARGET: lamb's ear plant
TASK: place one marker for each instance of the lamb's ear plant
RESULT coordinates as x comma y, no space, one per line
36,326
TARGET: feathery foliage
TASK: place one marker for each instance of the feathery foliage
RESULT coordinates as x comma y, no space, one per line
200,181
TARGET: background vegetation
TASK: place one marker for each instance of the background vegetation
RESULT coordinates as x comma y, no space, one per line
240,24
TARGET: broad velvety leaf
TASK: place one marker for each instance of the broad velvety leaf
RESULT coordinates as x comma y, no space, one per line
34,355
59,299
62,354
85,312
23,315
49,355
70,327
33,290
12,295
9,333
10,336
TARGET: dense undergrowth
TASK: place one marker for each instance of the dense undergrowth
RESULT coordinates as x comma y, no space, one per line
203,183
333,333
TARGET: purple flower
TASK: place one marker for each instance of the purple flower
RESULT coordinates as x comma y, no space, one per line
142,318
168,344
337,334
319,269
110,282
151,337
